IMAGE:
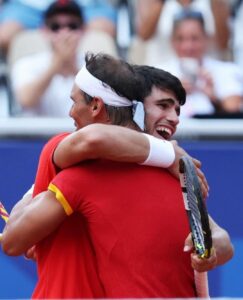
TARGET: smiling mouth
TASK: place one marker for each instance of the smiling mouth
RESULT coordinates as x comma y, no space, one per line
164,132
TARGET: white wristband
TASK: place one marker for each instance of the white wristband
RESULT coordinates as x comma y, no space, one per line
30,191
161,154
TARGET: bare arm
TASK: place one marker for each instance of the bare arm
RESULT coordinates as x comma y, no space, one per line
221,12
148,13
114,143
30,222
232,103
102,141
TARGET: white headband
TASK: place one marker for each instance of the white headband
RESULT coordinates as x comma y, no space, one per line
96,88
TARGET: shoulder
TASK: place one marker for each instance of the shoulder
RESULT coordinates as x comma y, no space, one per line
51,145
55,140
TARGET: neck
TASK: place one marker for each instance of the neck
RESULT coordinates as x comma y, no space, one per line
133,125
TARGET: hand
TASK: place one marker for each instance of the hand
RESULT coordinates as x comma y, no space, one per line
65,45
201,177
188,85
204,264
174,168
200,264
206,85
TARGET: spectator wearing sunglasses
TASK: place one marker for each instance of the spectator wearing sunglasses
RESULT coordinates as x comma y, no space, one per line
19,15
42,82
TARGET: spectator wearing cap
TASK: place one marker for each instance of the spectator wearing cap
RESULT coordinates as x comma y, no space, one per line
19,15
42,82
212,86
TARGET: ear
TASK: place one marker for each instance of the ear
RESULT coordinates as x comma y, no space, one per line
98,110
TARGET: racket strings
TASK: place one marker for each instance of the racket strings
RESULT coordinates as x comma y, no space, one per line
189,191
192,198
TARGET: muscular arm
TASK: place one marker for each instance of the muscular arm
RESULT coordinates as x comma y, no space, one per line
114,143
102,141
30,222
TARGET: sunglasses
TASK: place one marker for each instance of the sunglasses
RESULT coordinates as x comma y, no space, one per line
57,26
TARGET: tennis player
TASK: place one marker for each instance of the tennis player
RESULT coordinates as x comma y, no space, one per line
99,290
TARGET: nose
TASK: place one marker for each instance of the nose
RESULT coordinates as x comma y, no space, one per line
173,117
71,112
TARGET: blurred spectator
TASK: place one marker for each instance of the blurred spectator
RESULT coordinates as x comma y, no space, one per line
18,15
212,86
5,91
125,25
42,82
237,37
155,19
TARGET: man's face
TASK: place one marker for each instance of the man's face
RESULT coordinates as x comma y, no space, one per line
80,111
189,39
64,24
162,112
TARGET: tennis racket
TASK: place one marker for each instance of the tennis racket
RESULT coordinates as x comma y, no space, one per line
198,219
4,215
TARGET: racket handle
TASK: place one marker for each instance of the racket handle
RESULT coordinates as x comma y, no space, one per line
1,237
201,282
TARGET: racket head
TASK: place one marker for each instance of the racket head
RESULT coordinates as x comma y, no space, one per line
195,207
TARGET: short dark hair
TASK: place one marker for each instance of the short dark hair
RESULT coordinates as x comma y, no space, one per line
188,14
69,7
163,80
121,77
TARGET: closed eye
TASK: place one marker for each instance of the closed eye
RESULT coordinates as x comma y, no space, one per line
163,105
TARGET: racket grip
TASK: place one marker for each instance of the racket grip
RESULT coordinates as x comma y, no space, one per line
201,283
1,237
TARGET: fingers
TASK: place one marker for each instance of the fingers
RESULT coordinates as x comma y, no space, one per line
188,245
201,177
197,263
196,162
203,183
203,264
174,169
204,188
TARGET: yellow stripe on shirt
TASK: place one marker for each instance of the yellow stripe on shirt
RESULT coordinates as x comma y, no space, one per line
60,197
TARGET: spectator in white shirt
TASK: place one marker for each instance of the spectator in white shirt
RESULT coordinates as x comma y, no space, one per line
212,86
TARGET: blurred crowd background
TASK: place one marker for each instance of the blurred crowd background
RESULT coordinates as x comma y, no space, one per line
42,44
